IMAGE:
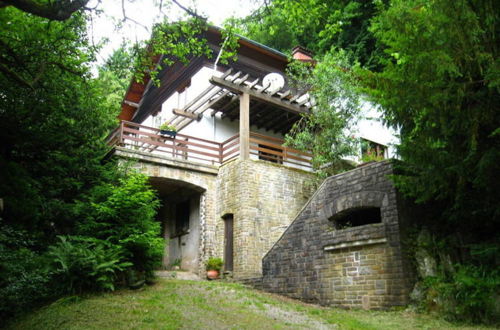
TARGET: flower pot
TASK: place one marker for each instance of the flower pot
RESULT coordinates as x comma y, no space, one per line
212,274
168,133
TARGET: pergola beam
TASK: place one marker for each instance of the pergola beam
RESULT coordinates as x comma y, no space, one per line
276,101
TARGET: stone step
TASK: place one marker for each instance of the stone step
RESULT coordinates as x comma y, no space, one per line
180,275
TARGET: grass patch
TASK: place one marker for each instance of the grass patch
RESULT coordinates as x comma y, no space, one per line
176,304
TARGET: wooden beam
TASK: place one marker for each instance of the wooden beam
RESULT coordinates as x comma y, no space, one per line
259,96
280,127
190,115
250,85
271,113
277,119
207,90
266,111
234,98
233,113
305,100
285,94
244,126
132,104
205,108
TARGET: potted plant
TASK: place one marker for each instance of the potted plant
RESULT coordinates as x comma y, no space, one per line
166,129
214,265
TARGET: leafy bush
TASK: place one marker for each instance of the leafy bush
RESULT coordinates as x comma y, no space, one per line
214,264
468,295
24,279
86,263
124,214
464,290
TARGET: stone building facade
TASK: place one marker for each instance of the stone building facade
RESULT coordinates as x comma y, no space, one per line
344,248
262,197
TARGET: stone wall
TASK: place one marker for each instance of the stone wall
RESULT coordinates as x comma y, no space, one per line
359,266
264,198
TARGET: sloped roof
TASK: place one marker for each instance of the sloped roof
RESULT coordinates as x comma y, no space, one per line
268,57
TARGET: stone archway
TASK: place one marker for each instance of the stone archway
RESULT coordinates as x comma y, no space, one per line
180,216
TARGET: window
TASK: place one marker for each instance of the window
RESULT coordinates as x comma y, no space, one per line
182,211
372,151
355,217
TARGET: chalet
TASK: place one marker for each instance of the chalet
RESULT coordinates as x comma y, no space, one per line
228,186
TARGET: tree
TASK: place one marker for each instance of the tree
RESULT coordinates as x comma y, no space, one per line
53,122
327,131
319,25
440,86
115,75
59,10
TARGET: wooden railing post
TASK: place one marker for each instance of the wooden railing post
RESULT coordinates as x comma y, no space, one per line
244,126
221,148
120,138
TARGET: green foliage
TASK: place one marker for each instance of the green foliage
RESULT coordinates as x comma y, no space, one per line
214,264
318,25
440,87
328,129
86,263
115,75
181,40
53,120
467,295
167,127
24,279
123,213
462,287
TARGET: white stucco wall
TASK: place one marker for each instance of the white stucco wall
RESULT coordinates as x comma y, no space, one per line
369,127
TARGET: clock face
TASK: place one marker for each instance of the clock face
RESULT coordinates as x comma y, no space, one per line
275,82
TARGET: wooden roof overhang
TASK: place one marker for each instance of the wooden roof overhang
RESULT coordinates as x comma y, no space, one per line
271,110
253,57
275,112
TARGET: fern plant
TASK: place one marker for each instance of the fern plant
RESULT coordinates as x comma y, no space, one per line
86,263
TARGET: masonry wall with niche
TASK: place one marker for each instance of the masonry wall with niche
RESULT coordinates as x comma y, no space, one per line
344,248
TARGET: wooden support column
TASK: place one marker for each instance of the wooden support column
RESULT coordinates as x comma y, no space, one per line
244,126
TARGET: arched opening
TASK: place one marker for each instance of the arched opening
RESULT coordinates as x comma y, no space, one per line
355,217
179,216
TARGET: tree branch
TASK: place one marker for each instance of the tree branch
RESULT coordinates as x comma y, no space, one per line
14,76
126,18
59,10
189,11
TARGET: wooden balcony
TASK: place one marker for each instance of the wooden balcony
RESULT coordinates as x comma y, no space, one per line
148,139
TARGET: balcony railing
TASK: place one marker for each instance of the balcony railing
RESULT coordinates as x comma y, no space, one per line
148,139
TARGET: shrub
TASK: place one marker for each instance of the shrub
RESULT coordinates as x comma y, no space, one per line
124,214
469,295
24,280
214,264
86,263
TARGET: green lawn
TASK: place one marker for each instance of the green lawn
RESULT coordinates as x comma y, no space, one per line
174,304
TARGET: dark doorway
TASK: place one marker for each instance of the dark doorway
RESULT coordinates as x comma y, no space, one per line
228,242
